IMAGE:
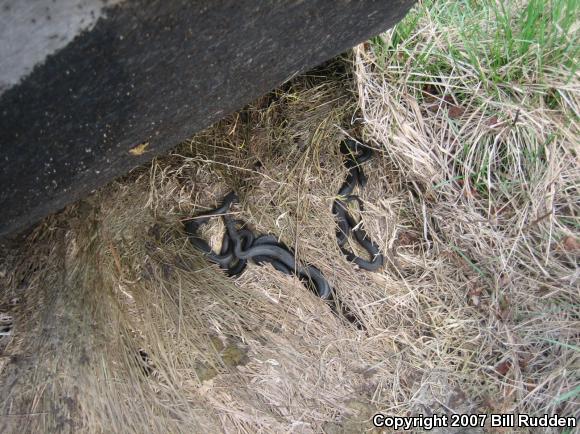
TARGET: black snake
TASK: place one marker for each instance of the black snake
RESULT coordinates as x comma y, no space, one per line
239,244
355,154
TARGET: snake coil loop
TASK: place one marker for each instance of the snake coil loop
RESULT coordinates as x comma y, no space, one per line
239,244
355,154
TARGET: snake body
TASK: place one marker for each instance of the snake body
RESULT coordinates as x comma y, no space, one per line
281,258
240,245
226,258
355,154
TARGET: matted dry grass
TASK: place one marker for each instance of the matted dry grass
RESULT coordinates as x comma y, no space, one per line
476,309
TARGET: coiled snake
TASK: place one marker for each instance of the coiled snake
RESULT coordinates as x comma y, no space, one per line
239,244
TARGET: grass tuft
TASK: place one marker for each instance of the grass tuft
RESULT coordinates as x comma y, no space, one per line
477,103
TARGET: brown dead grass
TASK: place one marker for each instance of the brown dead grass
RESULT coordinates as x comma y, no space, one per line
476,309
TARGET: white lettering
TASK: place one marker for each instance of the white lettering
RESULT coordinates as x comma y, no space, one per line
378,420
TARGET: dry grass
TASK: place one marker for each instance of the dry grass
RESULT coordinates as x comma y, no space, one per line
473,199
494,161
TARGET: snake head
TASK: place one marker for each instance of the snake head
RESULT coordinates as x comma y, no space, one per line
191,226
358,152
229,199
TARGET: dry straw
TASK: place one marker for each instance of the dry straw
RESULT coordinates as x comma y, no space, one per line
120,326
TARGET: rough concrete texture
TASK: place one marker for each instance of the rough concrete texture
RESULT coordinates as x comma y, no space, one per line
149,74
31,30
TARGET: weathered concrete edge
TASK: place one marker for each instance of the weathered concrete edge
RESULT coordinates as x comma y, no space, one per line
41,145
